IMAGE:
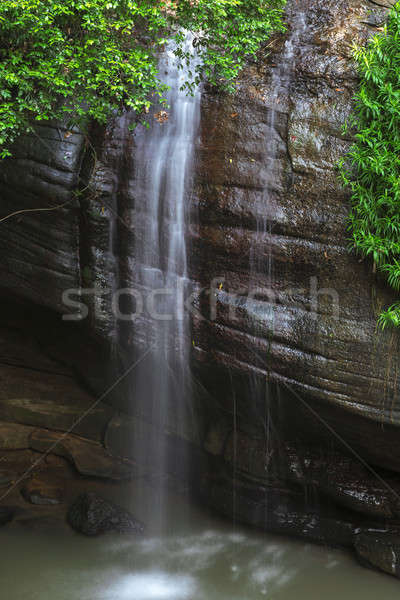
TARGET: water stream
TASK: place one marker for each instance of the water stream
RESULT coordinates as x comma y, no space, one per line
262,286
163,167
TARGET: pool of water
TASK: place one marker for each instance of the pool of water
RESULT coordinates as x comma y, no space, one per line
189,554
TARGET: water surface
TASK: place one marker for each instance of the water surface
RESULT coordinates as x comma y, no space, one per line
193,556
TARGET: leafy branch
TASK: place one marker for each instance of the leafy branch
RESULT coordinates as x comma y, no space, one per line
83,60
371,168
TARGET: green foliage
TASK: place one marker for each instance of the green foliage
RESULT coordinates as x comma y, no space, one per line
372,167
86,59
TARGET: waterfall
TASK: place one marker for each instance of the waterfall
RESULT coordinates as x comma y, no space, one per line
163,170
262,308
280,84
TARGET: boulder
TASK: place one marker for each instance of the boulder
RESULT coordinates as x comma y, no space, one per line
90,458
92,515
42,492
379,549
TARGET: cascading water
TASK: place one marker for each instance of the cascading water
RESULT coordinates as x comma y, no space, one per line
261,263
261,254
163,167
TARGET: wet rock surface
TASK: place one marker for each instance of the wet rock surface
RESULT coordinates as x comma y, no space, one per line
14,436
92,515
90,459
380,550
42,492
304,386
40,259
292,214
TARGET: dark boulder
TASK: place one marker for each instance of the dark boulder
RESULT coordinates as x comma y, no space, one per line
92,515
379,549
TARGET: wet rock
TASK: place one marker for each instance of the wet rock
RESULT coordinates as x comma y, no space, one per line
43,260
20,350
38,391
14,436
379,549
216,438
49,400
90,458
288,333
278,508
136,438
92,515
42,492
345,479
147,445
283,367
7,478
125,436
48,255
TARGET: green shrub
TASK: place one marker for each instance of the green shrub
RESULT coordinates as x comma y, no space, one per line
87,59
372,167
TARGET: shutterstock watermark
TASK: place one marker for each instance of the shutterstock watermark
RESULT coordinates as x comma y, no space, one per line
178,301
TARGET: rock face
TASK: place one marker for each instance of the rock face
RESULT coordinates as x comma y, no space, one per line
41,259
291,355
296,398
318,339
298,367
89,458
92,515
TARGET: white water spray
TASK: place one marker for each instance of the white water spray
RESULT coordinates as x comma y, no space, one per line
163,166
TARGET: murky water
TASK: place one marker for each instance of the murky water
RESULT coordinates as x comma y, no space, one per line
195,557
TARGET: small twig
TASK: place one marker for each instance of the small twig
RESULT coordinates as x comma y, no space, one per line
27,210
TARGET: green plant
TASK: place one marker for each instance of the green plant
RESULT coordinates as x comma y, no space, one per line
372,166
87,59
